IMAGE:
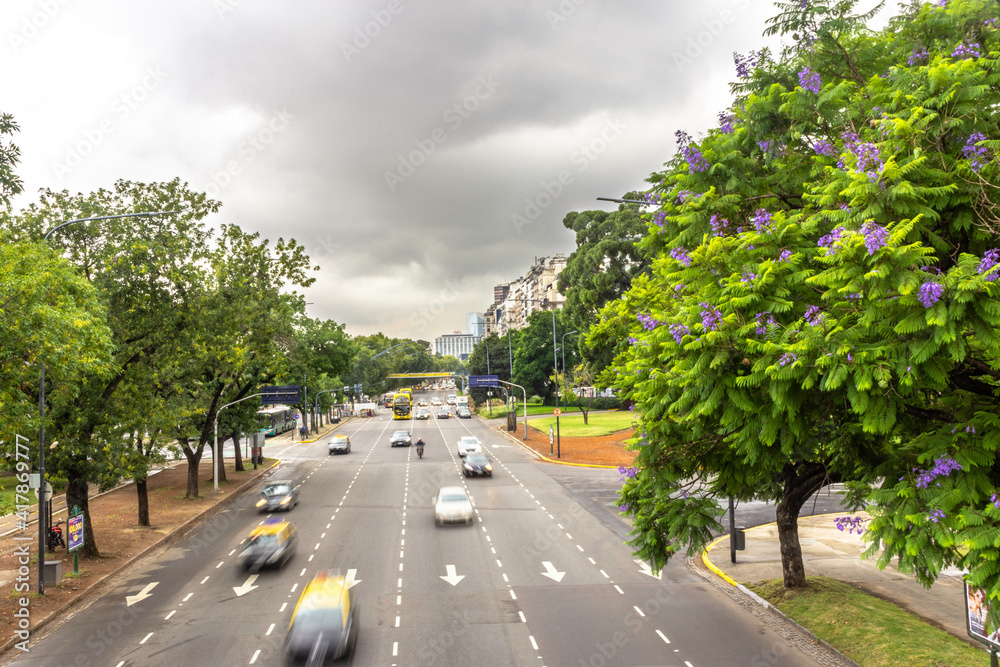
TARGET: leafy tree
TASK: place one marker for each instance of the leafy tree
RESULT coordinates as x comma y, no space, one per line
533,356
603,266
499,362
822,303
10,155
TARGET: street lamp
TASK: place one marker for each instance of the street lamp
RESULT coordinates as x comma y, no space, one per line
563,347
42,516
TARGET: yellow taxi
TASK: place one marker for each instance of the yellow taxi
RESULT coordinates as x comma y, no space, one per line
324,624
270,544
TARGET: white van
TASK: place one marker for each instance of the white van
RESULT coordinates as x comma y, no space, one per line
462,402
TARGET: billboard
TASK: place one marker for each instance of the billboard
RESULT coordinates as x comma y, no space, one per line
976,609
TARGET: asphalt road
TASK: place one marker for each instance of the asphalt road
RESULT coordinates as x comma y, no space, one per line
542,577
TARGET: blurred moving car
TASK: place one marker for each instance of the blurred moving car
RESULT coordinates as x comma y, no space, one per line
278,494
325,624
477,465
270,544
469,444
436,402
464,413
422,413
422,403
340,444
452,505
401,438
452,399
444,413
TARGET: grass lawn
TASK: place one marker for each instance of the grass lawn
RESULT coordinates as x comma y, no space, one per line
868,630
603,423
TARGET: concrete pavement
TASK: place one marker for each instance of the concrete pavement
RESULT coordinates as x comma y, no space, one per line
830,552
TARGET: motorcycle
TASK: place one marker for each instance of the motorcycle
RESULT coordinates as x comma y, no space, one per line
56,537
420,451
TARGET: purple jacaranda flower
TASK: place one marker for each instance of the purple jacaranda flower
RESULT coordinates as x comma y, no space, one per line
678,331
824,147
831,238
745,65
930,293
696,161
785,255
627,473
917,56
648,322
995,501
813,315
787,358
936,515
844,207
660,217
680,254
726,122
710,316
678,288
943,467
852,523
764,320
718,225
868,159
809,80
748,277
977,156
633,340
651,198
762,220
990,259
964,50
765,145
875,236
683,196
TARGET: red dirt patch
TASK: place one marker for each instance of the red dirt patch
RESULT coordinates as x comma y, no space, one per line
600,450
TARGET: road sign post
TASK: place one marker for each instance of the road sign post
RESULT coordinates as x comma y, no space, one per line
558,412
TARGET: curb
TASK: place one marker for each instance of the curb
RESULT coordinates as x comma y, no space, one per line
101,585
746,592
502,430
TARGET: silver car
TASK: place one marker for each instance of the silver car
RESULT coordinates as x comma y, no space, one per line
469,444
452,505
278,494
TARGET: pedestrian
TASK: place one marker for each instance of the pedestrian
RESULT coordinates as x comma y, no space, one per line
302,432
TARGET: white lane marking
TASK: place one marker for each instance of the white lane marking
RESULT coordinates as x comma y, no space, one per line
221,562
395,648
397,621
316,547
400,567
499,564
512,596
560,526
294,586
283,605
269,630
303,572
523,619
254,658
533,644
170,614
399,583
310,557
592,561
619,590
232,552
638,611
569,536
505,579
605,574
146,638
204,580
399,599
579,547
663,636
187,597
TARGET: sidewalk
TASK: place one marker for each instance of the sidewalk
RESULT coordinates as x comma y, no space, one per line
830,552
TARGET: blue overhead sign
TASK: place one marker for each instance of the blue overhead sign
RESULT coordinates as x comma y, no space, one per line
287,394
482,381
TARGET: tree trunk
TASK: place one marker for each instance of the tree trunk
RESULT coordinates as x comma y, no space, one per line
236,447
194,462
222,461
141,491
801,481
78,495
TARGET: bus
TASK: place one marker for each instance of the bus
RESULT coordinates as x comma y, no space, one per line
387,399
401,405
276,420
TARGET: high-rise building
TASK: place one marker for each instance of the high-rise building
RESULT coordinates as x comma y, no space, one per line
475,324
538,289
455,344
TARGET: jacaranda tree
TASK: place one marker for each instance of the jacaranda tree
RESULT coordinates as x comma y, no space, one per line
822,303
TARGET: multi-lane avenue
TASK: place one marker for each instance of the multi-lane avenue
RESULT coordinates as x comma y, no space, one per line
540,578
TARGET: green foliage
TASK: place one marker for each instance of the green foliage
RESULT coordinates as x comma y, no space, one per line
822,296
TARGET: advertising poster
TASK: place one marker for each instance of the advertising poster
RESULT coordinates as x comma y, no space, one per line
976,609
74,526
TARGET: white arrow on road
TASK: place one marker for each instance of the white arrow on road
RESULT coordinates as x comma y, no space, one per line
143,594
452,577
550,572
350,580
246,587
645,568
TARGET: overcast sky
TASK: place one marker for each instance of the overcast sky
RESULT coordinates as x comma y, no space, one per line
422,152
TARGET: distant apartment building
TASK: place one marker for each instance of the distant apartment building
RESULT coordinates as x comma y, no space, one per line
538,289
456,344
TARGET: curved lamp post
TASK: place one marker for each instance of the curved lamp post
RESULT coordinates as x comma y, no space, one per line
42,501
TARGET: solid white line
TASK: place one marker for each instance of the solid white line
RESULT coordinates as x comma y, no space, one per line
269,629
254,658
638,611
170,614
663,636
146,638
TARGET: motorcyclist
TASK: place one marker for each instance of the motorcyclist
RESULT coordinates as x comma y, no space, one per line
420,447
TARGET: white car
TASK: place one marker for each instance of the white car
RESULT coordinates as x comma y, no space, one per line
452,505
436,402
469,444
452,399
